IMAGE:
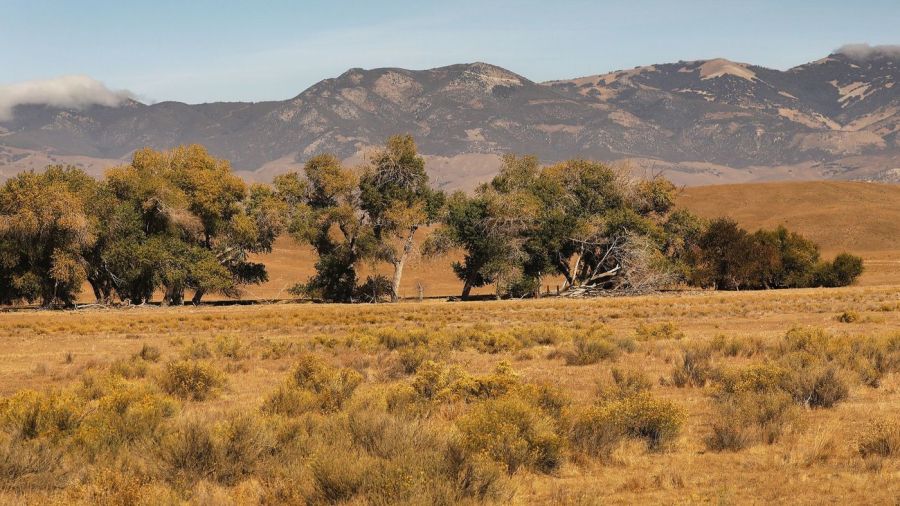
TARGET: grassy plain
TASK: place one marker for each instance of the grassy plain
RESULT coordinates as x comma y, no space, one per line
256,348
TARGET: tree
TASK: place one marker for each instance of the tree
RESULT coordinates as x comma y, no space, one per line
395,194
324,211
181,220
44,228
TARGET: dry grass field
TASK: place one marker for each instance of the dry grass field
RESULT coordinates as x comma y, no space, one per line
692,397
196,403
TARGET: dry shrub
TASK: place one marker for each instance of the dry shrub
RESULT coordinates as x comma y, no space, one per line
231,347
749,417
196,350
744,346
118,487
881,438
694,369
643,416
513,432
594,432
313,385
188,453
191,379
437,383
243,442
30,414
29,465
125,413
625,383
657,331
541,334
149,353
393,338
591,348
848,317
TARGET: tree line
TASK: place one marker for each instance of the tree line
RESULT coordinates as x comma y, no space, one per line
180,221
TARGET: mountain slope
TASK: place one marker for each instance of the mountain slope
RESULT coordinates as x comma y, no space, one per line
709,121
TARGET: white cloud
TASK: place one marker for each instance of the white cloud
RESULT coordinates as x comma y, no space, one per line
865,51
73,91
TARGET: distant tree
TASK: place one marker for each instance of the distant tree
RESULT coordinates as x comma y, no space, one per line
44,228
395,194
842,271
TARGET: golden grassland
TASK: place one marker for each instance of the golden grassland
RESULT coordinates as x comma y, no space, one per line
298,403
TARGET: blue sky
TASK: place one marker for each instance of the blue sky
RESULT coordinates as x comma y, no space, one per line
201,50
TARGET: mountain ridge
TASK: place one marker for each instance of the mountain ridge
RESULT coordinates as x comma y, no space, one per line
703,121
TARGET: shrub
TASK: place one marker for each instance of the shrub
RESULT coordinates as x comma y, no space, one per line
196,350
624,384
242,442
594,432
27,465
819,387
149,353
881,438
749,416
656,421
591,348
339,474
126,412
332,386
190,379
658,331
694,368
188,452
313,385
848,317
230,347
513,432
29,414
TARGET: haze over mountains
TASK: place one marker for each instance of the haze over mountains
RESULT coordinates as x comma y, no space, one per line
709,121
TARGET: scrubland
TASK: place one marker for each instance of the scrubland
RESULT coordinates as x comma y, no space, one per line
785,396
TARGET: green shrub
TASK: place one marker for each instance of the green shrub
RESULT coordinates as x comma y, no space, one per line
513,432
190,379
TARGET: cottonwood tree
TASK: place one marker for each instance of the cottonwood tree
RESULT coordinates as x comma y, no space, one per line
181,220
44,228
397,199
324,210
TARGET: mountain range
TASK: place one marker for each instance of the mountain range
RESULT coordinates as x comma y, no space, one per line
698,122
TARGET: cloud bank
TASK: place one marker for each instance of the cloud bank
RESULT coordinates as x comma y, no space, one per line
865,51
71,92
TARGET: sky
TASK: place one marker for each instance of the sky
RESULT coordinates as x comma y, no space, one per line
202,51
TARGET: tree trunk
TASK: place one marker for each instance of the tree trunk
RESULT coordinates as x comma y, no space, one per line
174,296
400,262
198,295
467,289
